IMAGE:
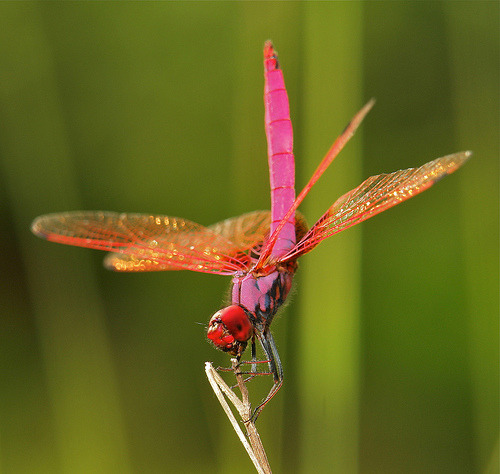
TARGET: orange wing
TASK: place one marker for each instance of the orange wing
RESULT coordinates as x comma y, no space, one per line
142,242
373,196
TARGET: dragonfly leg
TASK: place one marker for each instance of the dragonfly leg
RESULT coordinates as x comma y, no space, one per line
272,359
253,371
254,355
276,369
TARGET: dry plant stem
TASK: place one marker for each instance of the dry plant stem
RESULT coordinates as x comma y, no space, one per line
252,432
255,449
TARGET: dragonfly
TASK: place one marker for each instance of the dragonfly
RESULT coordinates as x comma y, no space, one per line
258,249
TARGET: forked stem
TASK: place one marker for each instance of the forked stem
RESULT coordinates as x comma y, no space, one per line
253,444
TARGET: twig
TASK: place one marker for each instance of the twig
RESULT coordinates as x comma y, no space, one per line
254,448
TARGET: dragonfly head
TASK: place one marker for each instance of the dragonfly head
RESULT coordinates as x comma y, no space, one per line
229,329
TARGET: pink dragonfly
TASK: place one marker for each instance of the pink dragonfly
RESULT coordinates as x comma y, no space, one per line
259,249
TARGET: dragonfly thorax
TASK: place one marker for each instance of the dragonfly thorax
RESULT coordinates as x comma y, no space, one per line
229,329
262,296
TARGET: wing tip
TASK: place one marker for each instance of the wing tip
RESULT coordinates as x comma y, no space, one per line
458,159
109,264
465,155
37,228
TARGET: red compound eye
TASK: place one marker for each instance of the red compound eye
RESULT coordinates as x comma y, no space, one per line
236,322
229,330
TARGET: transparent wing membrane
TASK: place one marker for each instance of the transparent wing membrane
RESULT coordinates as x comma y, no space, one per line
143,242
373,196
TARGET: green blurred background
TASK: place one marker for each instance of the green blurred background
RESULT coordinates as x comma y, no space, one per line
390,344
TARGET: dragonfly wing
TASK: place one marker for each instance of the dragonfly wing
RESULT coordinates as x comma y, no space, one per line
373,196
143,242
250,231
247,231
122,262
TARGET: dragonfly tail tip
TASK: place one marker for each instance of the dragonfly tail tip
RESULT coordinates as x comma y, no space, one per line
269,51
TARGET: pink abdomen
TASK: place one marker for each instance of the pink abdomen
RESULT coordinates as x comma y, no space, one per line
280,152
